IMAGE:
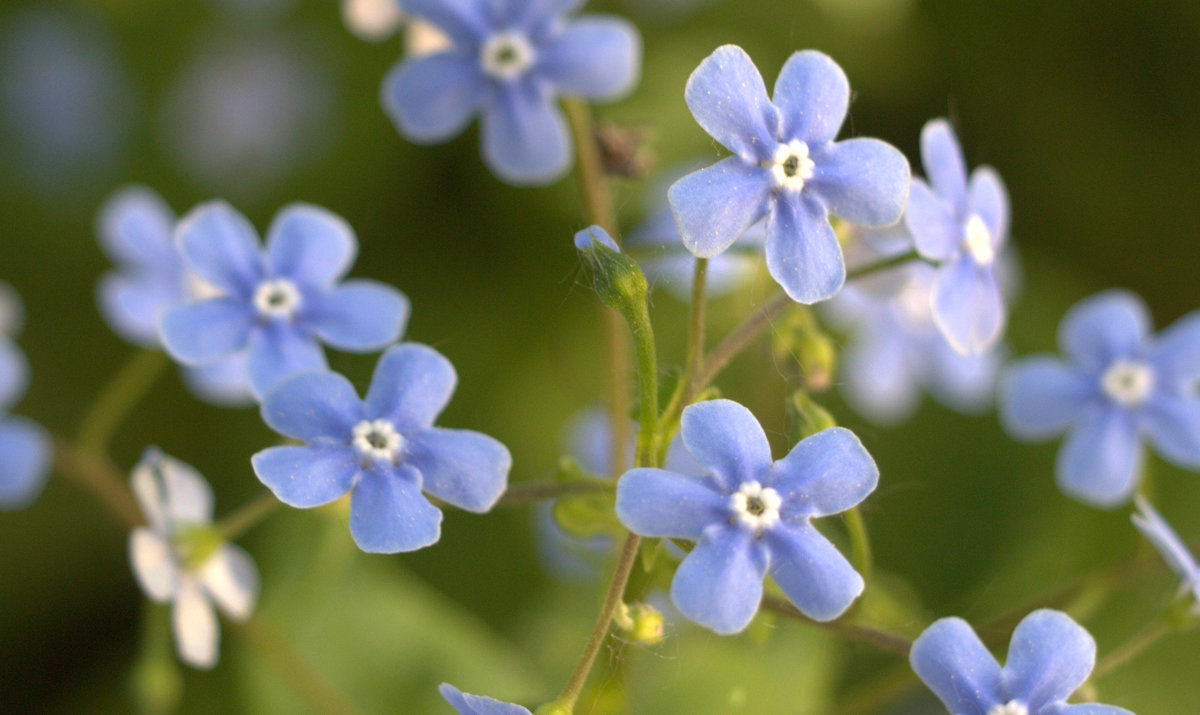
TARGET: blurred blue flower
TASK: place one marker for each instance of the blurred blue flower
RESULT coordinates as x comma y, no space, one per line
467,704
1049,657
137,231
1173,551
1117,386
510,61
385,450
751,516
786,167
278,304
174,564
962,225
24,445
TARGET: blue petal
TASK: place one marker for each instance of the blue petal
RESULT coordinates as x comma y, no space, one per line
803,253
1104,328
279,350
719,584
864,181
225,383
1084,709
467,704
813,574
388,513
966,383
934,226
538,16
1176,353
586,239
1049,656
1041,396
951,660
411,386
944,165
24,462
207,330
136,227
465,21
594,57
724,436
461,467
313,406
433,98
1166,541
658,503
310,246
359,315
221,246
305,477
1101,459
525,139
681,461
989,201
14,373
132,304
812,94
714,206
877,378
826,473
967,305
729,100
1172,424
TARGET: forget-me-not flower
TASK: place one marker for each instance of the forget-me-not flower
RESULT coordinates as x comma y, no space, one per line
1171,547
176,559
1049,657
277,304
137,231
961,224
786,166
24,445
383,450
467,704
509,62
750,516
1117,385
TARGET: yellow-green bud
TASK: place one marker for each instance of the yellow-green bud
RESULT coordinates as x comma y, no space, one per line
640,622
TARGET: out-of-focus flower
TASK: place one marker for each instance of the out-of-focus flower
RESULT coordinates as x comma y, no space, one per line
372,20
467,704
24,445
1159,532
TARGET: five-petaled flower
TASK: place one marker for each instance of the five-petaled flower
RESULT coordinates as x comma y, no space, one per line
1049,657
963,225
751,516
786,167
1117,386
509,62
281,303
178,557
467,704
1171,547
385,450
24,445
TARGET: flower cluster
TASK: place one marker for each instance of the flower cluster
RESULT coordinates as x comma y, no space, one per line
24,446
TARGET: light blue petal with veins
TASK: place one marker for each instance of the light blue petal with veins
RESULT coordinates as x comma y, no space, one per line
951,660
813,574
1101,459
1041,396
388,513
803,253
306,477
278,350
714,206
206,331
729,100
358,315
524,134
313,406
221,246
935,228
433,98
865,181
663,504
719,584
725,437
1106,327
310,245
412,385
598,58
461,467
824,474
944,164
1049,657
812,95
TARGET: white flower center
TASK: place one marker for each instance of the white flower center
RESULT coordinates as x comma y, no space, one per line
1012,707
979,241
377,440
1127,382
277,298
791,167
756,506
506,55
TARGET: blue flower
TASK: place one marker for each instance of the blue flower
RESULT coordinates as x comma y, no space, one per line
467,704
385,450
1049,657
962,225
175,561
786,167
510,61
137,231
1168,543
277,305
1116,386
24,445
751,516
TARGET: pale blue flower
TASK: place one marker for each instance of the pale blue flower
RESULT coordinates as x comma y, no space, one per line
1171,547
25,448
1049,657
467,704
786,167
1117,386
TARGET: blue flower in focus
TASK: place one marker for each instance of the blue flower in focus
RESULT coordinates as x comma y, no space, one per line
279,304
751,516
786,167
467,704
24,445
384,451
961,224
137,231
509,62
1116,386
1168,543
1049,657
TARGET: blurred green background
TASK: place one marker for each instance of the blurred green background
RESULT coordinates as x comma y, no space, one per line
1086,107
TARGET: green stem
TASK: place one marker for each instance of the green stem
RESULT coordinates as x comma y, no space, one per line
248,516
309,685
694,360
524,493
97,475
881,639
118,398
883,265
1127,651
860,542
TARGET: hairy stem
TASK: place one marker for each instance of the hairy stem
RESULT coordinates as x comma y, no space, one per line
860,542
118,398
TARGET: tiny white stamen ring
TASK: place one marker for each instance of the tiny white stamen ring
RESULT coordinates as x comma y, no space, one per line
506,55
